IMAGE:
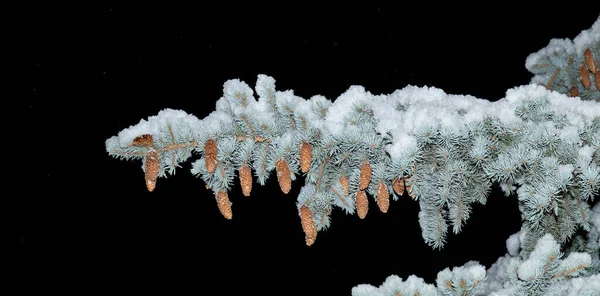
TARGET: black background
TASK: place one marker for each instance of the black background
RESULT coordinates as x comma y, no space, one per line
85,221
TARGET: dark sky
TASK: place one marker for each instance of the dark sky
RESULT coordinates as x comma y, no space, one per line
86,221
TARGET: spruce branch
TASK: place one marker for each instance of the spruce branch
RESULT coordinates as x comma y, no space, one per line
444,151
464,280
353,153
550,166
394,285
544,269
569,66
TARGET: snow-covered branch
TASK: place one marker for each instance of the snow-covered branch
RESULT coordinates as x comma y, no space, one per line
540,143
446,150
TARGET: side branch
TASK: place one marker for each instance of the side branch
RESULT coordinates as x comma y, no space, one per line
179,146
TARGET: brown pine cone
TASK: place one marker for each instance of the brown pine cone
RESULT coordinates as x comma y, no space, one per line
362,204
365,175
383,197
151,169
210,155
143,141
224,204
305,156
283,175
246,179
308,225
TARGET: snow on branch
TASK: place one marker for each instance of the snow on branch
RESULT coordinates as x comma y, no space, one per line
570,66
547,271
361,149
541,143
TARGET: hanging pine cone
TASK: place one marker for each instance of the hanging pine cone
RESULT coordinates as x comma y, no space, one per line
246,179
573,92
143,141
398,186
151,169
597,79
305,156
383,197
407,186
362,204
308,225
224,204
589,61
584,76
365,175
210,155
283,175
344,183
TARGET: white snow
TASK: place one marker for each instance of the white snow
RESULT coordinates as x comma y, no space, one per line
234,90
264,85
391,284
304,108
262,111
578,45
415,283
285,99
496,275
402,146
584,285
474,270
366,290
342,106
565,170
513,244
575,260
402,113
587,37
472,273
585,154
216,121
154,124
554,46
546,246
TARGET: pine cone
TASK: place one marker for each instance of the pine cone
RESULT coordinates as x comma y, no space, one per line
589,61
308,225
210,155
362,204
151,169
365,175
305,156
383,197
407,186
398,186
584,77
224,204
283,175
597,79
143,141
573,92
344,183
246,179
